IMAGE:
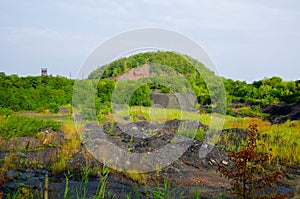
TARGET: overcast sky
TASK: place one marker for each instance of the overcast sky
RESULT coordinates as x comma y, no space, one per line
247,40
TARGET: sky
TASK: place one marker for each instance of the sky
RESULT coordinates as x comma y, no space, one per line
246,40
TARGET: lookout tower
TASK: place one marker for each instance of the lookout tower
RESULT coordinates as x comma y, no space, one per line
44,72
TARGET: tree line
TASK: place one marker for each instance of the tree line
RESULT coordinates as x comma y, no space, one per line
34,92
48,92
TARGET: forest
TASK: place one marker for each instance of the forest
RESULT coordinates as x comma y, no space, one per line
39,93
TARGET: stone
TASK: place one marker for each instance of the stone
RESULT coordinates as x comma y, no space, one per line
181,101
224,162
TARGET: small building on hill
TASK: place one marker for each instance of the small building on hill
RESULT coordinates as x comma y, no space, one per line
44,72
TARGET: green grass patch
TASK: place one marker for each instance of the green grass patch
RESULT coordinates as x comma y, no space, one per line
20,126
162,114
284,139
194,134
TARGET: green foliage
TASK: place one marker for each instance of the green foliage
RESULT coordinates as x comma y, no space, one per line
180,63
172,73
164,192
33,93
81,191
5,111
266,91
162,64
18,126
21,193
252,112
140,97
194,134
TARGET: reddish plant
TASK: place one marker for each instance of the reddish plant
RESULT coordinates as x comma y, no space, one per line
250,171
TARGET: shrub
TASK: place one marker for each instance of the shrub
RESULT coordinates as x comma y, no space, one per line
250,172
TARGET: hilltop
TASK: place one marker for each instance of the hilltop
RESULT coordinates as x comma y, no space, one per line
38,137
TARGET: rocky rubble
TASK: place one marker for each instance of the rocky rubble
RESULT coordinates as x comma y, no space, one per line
279,113
140,137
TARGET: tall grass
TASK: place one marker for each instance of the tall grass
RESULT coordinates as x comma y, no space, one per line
21,125
284,139
68,149
164,191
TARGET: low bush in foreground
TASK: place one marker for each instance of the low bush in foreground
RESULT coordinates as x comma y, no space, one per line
250,171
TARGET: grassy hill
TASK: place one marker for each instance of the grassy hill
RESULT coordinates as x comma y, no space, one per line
168,72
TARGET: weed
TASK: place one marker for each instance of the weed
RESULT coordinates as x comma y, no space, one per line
194,134
163,192
103,184
67,190
136,192
129,149
250,172
196,194
59,166
68,149
153,133
20,193
221,196
131,138
85,171
8,163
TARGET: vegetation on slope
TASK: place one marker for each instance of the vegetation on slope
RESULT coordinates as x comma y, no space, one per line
49,93
266,91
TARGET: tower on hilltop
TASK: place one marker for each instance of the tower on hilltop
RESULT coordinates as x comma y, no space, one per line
44,72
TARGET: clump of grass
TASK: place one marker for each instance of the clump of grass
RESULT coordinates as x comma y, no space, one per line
7,163
165,191
70,129
194,134
103,182
20,126
22,193
59,166
68,149
82,190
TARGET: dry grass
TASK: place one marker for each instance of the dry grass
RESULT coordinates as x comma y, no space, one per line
8,163
68,149
284,139
140,178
